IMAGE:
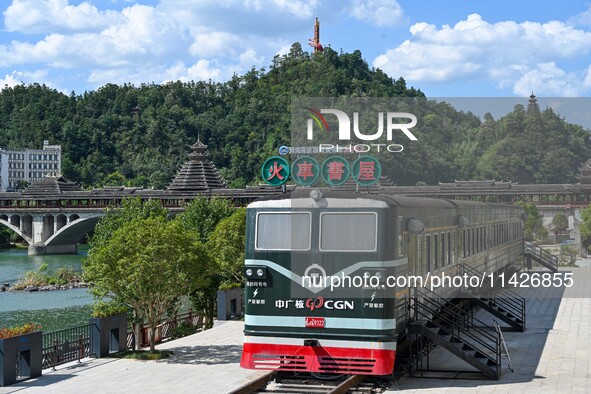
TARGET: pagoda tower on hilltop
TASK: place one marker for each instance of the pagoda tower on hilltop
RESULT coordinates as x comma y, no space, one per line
533,106
584,175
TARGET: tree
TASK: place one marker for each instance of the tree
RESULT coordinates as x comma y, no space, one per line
131,209
5,234
115,179
585,228
560,224
533,228
568,255
148,264
22,185
227,240
203,215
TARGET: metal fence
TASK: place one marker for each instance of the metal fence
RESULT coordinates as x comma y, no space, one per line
71,344
167,329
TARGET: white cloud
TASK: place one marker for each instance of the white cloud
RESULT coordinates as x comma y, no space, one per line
587,81
581,19
175,39
202,71
46,16
546,79
216,43
378,12
265,18
143,36
508,53
27,77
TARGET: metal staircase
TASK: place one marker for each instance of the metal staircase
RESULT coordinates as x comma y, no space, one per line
499,301
541,256
450,327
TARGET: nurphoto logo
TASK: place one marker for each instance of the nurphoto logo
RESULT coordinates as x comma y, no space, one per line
344,131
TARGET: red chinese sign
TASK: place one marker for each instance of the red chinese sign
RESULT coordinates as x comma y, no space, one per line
305,171
335,171
366,170
275,171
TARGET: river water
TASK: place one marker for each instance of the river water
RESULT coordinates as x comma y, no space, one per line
53,310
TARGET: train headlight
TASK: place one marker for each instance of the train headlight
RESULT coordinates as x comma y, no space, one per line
255,272
374,278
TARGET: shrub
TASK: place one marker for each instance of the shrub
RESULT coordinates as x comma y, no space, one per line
106,309
9,332
184,329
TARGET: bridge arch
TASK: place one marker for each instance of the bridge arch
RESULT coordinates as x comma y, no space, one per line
17,230
73,232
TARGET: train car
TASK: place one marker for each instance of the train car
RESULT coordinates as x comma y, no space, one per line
296,325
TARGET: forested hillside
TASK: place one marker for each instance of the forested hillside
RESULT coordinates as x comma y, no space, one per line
139,135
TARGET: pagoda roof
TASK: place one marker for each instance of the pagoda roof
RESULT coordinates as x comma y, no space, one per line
50,186
198,174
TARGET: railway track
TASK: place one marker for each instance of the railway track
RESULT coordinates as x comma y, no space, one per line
280,383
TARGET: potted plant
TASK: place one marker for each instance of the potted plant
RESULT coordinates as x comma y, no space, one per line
109,329
21,353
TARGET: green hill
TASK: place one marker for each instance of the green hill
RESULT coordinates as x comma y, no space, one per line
139,135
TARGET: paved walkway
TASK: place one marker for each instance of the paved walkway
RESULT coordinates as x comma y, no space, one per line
551,356
202,363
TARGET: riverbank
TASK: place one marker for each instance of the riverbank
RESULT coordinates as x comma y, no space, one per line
43,279
53,310
47,287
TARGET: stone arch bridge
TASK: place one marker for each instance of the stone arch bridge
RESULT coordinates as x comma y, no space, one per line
51,232
53,215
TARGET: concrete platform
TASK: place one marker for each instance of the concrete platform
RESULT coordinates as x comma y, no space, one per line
551,356
202,363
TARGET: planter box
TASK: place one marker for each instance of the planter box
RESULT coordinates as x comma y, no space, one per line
108,335
21,354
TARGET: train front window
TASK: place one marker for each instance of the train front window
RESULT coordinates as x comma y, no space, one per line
355,232
283,231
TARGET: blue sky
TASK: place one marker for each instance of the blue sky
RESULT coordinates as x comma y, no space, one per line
447,48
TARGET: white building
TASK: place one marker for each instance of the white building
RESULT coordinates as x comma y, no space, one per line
28,165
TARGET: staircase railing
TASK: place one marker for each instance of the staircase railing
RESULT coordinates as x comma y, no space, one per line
450,318
542,256
502,296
